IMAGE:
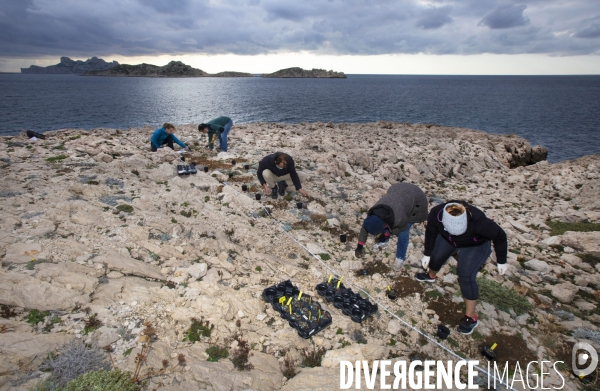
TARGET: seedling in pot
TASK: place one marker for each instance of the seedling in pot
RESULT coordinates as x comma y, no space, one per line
391,293
489,353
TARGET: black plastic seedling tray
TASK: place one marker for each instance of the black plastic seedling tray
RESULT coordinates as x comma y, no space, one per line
351,304
301,312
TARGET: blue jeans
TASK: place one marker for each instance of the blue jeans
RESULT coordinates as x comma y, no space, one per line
403,242
223,136
470,260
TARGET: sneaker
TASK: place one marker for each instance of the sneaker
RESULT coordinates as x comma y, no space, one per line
467,325
424,277
398,263
274,192
281,186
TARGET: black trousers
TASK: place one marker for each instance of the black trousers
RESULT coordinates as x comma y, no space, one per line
168,141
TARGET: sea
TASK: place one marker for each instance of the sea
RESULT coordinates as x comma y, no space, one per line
561,113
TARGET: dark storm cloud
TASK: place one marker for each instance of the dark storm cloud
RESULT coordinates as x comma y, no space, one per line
84,28
591,29
505,16
433,18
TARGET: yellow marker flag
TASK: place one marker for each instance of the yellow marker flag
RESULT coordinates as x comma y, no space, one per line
299,295
389,289
330,277
309,315
340,282
494,346
289,301
290,309
282,300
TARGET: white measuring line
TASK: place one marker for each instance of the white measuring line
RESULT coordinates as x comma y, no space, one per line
371,297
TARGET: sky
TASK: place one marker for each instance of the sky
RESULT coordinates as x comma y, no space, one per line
350,36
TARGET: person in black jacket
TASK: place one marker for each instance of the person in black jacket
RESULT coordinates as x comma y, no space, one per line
278,171
457,227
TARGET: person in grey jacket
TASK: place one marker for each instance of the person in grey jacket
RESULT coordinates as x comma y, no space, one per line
402,206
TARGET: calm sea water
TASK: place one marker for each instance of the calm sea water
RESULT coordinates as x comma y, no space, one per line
562,113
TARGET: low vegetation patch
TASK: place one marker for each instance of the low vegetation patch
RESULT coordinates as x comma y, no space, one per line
125,208
216,352
199,328
559,227
103,381
502,297
312,357
56,158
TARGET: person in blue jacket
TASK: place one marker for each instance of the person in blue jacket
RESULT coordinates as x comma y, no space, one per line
164,135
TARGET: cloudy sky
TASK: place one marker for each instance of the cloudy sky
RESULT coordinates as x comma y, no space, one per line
352,36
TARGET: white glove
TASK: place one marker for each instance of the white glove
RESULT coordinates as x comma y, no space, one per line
382,245
425,261
502,268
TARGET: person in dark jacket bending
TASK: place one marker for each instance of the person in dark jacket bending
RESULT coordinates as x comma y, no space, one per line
457,227
278,171
217,129
402,206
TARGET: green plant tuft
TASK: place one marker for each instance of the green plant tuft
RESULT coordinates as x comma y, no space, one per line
559,227
125,208
216,352
34,317
102,381
325,257
56,158
502,297
198,328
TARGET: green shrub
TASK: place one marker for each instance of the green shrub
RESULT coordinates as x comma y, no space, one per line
125,208
56,158
34,317
102,381
325,257
198,328
216,352
559,227
502,297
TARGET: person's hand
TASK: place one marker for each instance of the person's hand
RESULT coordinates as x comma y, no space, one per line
303,192
267,189
425,261
359,251
380,245
502,268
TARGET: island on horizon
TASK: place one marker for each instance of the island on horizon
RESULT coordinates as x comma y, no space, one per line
98,67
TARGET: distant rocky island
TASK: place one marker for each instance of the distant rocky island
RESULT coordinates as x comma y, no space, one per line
301,73
68,66
98,67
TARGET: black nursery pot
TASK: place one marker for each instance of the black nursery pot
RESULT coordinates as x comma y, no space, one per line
343,238
299,205
246,166
231,175
257,196
442,331
489,353
322,288
244,187
205,168
233,162
392,294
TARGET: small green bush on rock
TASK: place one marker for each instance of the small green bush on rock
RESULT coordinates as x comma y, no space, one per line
102,381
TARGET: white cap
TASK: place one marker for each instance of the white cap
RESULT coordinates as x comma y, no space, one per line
455,225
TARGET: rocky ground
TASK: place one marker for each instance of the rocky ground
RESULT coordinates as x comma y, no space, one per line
99,235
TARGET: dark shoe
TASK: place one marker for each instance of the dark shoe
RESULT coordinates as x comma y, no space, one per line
281,186
181,169
192,168
424,277
467,325
274,192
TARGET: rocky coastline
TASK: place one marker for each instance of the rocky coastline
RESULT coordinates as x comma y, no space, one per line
95,226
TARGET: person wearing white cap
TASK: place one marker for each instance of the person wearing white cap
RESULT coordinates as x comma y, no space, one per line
457,227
